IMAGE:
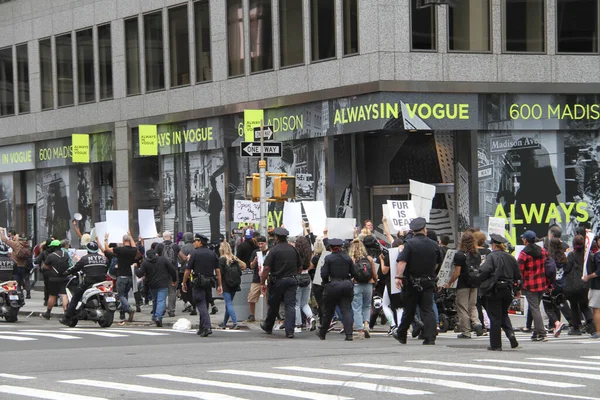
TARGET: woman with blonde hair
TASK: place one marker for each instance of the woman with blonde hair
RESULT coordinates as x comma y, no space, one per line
317,289
229,265
363,288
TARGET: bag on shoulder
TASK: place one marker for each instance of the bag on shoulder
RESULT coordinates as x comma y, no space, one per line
362,270
473,265
233,274
169,254
550,269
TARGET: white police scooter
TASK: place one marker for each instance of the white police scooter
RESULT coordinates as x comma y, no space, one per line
98,303
11,301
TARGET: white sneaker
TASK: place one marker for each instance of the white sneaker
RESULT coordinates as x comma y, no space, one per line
298,329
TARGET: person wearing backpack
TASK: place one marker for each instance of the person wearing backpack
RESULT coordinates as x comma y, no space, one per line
554,299
364,274
576,290
171,252
466,269
231,271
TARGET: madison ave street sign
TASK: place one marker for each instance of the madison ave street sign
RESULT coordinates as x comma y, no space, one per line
252,149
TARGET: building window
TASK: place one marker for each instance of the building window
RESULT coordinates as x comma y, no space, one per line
322,29
202,23
469,26
85,66
524,26
261,36
235,37
132,56
7,94
179,46
64,70
23,78
577,26
105,62
153,45
291,32
350,11
423,27
47,84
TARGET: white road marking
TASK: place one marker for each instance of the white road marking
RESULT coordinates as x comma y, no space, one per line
592,357
508,378
438,382
16,338
52,335
564,360
303,394
540,364
143,333
151,390
326,382
78,331
19,377
43,394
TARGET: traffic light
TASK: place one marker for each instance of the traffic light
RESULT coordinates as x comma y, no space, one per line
252,189
284,187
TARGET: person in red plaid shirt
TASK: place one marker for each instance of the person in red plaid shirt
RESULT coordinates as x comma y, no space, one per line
531,263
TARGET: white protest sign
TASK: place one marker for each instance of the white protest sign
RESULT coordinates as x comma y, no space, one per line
147,223
341,228
422,195
292,218
388,216
148,243
393,253
101,229
260,259
447,270
589,238
402,212
136,280
318,280
246,211
496,226
317,218
518,250
117,225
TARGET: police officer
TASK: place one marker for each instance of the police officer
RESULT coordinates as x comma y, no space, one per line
339,289
93,266
281,266
500,275
415,275
57,262
7,264
203,263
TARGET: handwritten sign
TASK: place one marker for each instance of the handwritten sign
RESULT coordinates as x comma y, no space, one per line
496,225
246,211
401,214
447,270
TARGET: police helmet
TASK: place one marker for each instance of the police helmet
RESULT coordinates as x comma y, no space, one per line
92,247
3,249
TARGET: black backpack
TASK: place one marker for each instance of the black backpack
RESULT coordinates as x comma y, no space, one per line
473,264
362,270
169,254
233,274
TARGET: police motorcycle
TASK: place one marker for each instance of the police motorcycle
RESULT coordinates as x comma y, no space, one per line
11,300
98,303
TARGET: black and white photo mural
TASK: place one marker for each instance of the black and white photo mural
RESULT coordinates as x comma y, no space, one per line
6,200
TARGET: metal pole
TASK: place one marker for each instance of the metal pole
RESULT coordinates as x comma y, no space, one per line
262,166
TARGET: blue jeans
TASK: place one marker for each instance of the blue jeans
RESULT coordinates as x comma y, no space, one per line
158,304
229,311
361,304
124,285
302,297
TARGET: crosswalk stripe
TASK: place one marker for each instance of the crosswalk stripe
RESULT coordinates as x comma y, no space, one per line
438,382
303,394
16,338
592,357
151,390
511,369
540,364
508,378
43,394
563,360
81,332
143,333
326,382
18,377
52,335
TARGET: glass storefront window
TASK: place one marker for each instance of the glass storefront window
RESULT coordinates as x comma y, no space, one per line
350,10
132,56
64,70
291,32
23,78
235,37
423,27
524,26
322,28
7,95
577,26
261,35
105,61
179,46
469,26
203,58
85,66
153,45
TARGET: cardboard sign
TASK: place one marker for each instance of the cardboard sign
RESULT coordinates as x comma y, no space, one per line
292,218
341,228
393,252
402,212
447,270
117,225
317,218
246,211
318,280
147,224
496,226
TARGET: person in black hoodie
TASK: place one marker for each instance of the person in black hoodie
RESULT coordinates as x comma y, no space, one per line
159,273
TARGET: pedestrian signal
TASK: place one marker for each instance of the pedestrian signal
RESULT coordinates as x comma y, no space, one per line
284,187
252,189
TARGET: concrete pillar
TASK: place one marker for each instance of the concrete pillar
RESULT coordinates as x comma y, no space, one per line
123,157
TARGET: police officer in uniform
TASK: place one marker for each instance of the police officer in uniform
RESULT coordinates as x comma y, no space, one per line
500,275
93,266
415,275
281,266
7,264
339,289
203,263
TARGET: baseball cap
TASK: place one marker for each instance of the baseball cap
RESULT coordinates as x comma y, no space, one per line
530,236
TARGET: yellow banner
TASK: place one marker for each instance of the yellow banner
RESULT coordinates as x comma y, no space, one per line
252,119
81,148
148,140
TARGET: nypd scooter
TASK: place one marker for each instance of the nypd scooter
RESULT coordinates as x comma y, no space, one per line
11,300
98,303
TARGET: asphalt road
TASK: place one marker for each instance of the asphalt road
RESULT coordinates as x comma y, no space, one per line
42,359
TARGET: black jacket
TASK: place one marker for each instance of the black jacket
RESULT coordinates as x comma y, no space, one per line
498,266
93,266
157,270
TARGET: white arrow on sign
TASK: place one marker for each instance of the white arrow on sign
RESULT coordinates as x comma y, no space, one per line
266,133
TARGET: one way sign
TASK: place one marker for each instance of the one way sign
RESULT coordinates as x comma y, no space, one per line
266,133
252,149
